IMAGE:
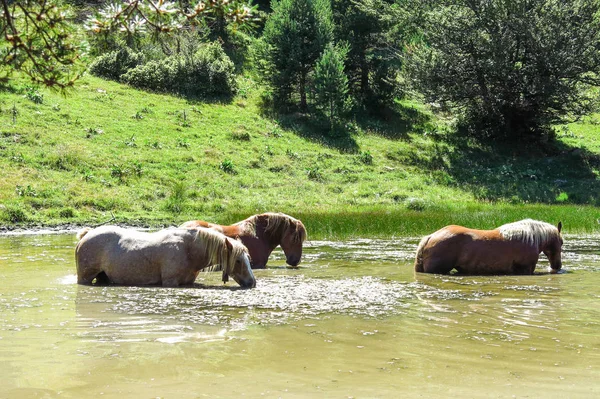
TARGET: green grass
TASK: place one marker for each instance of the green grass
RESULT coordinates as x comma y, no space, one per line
153,160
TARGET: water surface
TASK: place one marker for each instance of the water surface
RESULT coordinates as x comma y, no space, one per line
352,321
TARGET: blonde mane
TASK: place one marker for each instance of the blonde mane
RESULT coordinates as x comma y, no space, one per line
275,222
529,231
216,251
213,244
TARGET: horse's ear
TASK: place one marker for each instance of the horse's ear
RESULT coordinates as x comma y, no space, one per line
559,227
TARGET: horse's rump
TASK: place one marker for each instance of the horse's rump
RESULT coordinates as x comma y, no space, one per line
419,256
81,233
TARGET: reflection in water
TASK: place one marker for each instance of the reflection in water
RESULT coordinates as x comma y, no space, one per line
353,320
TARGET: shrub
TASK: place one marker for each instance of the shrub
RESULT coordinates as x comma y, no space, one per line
66,213
415,204
241,136
315,174
114,64
13,214
209,72
366,158
32,94
228,166
154,75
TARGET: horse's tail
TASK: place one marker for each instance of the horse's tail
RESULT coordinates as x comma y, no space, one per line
82,233
419,258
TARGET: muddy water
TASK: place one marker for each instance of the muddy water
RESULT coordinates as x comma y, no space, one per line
353,321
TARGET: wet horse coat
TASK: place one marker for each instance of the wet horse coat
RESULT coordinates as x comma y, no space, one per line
261,234
170,257
513,248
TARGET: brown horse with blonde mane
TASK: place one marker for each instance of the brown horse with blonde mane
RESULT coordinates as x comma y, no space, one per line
261,234
171,257
513,248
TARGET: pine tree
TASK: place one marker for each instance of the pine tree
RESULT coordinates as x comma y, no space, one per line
295,34
375,30
331,83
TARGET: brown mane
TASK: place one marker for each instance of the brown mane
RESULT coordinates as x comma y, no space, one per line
274,224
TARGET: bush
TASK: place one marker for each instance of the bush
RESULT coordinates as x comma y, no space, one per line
13,214
114,64
513,68
154,75
209,72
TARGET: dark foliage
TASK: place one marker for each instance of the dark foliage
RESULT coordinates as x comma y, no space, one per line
116,63
295,35
209,72
511,67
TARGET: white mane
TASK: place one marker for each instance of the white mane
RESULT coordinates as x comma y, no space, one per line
529,231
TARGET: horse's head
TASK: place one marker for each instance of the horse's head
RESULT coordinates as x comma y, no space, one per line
552,249
237,264
292,240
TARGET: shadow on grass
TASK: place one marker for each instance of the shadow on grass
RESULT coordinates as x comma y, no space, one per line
552,173
393,124
314,130
396,123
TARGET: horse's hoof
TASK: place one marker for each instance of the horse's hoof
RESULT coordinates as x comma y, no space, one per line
555,271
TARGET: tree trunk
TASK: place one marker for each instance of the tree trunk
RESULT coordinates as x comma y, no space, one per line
303,104
364,75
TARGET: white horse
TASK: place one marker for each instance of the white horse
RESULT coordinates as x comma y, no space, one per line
171,257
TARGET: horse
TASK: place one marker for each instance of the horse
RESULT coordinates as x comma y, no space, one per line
261,234
171,257
513,248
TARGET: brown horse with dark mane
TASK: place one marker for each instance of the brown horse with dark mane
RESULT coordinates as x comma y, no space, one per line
513,248
261,234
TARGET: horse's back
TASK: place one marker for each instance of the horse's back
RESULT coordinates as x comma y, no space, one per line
196,223
475,252
129,256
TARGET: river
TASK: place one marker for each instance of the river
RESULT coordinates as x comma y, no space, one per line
352,322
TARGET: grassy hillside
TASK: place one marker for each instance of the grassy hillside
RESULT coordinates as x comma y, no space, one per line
148,159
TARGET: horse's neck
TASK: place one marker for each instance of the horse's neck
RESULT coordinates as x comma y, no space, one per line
201,257
258,249
271,240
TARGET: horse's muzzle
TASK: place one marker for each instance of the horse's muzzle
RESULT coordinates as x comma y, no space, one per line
292,262
248,283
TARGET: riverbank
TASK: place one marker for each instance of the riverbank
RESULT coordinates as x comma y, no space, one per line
380,223
152,160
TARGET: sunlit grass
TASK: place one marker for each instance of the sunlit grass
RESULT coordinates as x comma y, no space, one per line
152,159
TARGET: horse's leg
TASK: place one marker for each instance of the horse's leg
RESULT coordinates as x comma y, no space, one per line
522,269
178,275
437,267
102,279
87,275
